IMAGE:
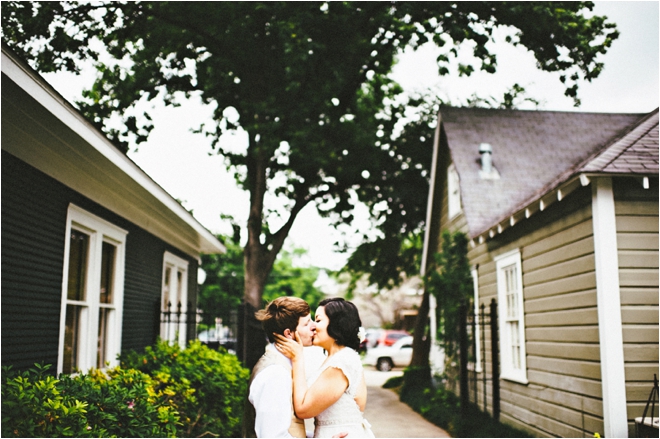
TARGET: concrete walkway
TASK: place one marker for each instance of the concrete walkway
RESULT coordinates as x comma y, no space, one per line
388,416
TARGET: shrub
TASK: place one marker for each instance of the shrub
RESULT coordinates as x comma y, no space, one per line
207,387
163,392
442,408
36,404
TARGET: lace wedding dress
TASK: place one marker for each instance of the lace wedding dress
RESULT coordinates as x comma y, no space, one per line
344,415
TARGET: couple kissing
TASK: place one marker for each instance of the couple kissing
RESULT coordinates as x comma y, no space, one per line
282,393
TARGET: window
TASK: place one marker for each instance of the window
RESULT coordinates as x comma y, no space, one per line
511,317
174,303
92,292
453,191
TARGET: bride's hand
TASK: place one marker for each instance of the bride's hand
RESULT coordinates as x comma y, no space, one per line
292,349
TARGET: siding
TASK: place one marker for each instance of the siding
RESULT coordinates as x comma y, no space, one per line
34,211
637,239
563,397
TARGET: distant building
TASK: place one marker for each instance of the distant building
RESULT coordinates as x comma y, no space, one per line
561,210
92,249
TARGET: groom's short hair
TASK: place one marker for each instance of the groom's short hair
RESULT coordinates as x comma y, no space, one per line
282,313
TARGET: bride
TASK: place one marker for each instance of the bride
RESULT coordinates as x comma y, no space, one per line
338,393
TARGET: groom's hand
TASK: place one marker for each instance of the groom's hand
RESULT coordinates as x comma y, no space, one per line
341,435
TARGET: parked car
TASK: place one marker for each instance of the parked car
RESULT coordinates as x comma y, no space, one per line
388,337
384,358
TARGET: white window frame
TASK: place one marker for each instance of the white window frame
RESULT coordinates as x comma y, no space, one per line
454,206
170,331
99,231
477,322
508,322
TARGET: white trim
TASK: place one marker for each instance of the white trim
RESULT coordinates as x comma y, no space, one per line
508,371
429,204
609,309
454,205
94,167
477,325
177,265
98,230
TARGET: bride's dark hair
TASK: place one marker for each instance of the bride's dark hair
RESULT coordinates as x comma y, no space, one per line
344,321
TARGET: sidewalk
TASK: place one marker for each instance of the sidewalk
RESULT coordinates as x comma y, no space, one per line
388,416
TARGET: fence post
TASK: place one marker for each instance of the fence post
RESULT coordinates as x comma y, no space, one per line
158,317
495,359
473,325
463,358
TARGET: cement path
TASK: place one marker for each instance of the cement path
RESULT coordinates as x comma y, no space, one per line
388,416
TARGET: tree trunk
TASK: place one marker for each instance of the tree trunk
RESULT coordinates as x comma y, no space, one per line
418,376
422,339
259,256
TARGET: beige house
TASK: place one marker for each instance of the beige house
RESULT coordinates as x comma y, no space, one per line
561,209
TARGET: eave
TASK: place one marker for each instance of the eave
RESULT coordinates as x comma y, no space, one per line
41,128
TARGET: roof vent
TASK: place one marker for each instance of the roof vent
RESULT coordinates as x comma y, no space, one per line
487,170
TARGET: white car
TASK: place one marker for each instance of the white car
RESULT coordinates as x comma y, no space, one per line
386,357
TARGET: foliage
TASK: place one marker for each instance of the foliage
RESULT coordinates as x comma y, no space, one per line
286,279
222,290
451,283
442,408
207,388
163,392
36,404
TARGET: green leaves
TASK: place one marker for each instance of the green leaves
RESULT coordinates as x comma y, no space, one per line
451,283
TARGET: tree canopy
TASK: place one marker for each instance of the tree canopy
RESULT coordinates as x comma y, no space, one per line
308,81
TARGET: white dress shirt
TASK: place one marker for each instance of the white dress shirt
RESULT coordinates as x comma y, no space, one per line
270,394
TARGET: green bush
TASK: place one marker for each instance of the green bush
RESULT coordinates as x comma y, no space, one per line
36,404
163,392
207,387
442,408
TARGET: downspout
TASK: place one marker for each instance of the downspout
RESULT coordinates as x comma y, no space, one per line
613,379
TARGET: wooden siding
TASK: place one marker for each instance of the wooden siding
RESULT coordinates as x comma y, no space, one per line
34,213
563,397
637,240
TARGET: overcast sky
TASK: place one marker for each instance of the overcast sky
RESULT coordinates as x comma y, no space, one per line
180,163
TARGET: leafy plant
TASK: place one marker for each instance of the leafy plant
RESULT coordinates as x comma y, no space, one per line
451,283
207,387
442,407
37,404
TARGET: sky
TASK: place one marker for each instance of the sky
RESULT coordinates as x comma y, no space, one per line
180,162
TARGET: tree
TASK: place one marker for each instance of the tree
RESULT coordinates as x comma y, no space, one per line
309,82
222,291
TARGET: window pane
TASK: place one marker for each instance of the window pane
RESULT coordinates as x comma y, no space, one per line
107,272
166,288
179,288
101,352
515,345
78,250
71,338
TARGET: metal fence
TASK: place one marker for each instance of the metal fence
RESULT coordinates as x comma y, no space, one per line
470,324
175,324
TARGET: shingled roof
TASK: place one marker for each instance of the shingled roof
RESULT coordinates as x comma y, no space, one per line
534,151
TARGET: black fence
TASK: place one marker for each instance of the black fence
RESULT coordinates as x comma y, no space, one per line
471,325
172,321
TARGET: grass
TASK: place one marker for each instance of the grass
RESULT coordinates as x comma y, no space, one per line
442,408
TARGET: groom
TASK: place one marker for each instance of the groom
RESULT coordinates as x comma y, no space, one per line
270,412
